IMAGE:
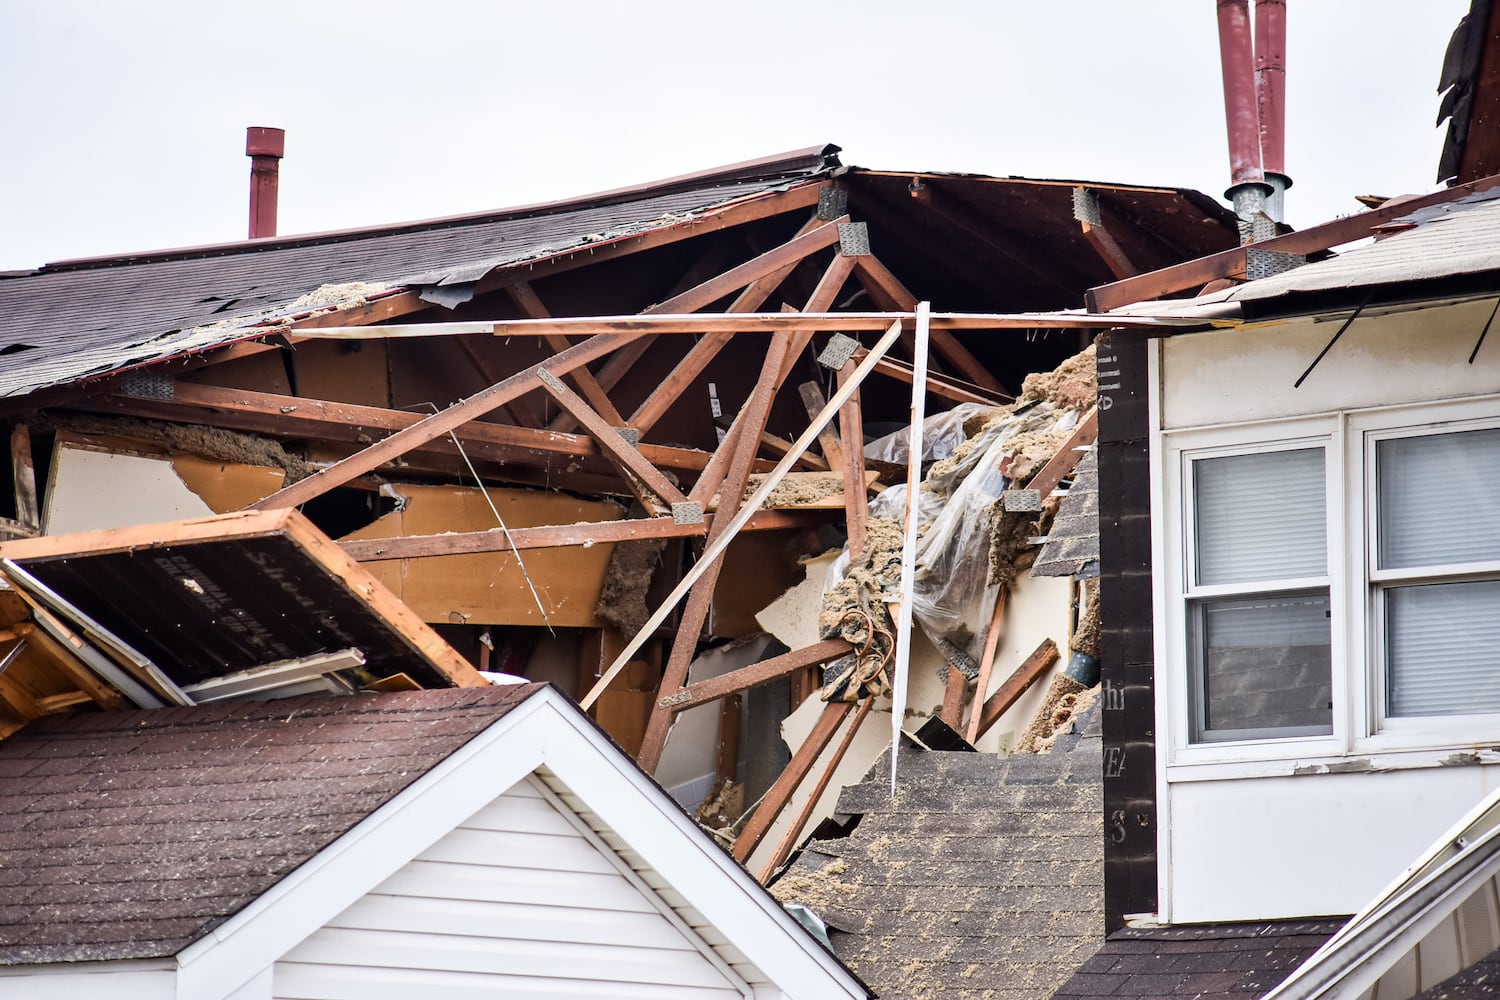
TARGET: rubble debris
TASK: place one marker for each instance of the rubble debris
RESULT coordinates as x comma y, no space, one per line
722,807
854,609
622,599
1011,532
193,439
1072,385
798,489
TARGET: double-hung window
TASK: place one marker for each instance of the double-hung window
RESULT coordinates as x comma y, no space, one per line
1434,572
1257,595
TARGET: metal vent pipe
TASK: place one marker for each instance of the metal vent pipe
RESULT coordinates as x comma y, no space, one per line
265,147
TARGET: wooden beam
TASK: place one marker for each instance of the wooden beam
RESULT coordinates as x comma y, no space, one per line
986,664
727,747
791,252
436,425
1109,251
1231,263
876,275
782,446
380,310
1028,673
754,675
655,406
300,417
856,499
28,511
956,686
1067,456
700,597
520,408
938,384
756,293
789,838
530,304
812,399
616,447
780,793
746,510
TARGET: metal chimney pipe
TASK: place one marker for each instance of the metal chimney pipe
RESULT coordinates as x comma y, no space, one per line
265,147
1270,90
1237,59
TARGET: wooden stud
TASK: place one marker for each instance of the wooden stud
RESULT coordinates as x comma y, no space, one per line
812,399
1028,673
700,597
436,425
625,455
794,250
727,749
1109,251
1067,456
781,446
655,406
987,663
954,690
28,512
530,304
759,824
851,428
754,675
789,838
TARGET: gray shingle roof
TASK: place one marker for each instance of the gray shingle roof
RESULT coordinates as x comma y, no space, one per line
131,834
75,319
983,877
1072,547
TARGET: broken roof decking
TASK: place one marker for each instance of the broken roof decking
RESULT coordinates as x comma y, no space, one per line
982,877
129,835
219,595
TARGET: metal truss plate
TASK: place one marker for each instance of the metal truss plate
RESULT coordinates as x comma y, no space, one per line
1264,263
631,435
854,239
689,512
839,349
1021,501
832,203
548,379
1086,206
147,385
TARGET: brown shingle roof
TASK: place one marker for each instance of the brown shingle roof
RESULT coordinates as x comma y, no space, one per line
131,834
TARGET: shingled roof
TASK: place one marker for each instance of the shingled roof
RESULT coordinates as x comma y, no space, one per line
74,319
983,877
127,835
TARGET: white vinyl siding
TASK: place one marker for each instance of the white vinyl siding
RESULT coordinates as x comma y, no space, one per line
516,902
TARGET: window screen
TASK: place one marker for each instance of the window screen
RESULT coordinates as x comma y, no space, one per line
1439,499
1443,649
1260,517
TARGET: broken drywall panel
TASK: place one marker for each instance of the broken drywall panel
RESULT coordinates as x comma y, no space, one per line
490,588
687,764
89,489
793,617
226,486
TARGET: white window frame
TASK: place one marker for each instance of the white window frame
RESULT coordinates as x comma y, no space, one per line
1359,726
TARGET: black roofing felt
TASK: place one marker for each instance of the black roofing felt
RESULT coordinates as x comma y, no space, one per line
131,834
983,877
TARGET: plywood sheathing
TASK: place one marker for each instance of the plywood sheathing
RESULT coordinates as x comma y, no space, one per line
490,588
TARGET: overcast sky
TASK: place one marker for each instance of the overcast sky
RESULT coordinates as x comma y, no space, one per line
124,122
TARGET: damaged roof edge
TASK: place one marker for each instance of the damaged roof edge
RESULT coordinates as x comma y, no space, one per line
811,161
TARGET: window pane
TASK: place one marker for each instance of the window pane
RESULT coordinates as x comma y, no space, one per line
1439,498
1443,649
1260,517
1263,667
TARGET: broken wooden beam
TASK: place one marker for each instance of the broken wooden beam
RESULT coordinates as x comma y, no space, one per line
558,536
1031,670
789,838
754,675
23,472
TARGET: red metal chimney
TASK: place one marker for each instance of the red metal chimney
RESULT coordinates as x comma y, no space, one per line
265,147
1237,59
1270,87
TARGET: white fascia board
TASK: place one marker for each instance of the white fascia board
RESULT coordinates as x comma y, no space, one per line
147,980
547,731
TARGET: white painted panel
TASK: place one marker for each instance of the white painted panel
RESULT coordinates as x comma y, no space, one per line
1313,845
491,919
505,912
295,981
93,489
1214,378
116,984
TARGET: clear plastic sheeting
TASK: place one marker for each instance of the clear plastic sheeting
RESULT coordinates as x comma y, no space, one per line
942,433
953,601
